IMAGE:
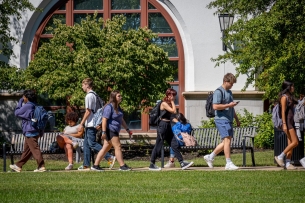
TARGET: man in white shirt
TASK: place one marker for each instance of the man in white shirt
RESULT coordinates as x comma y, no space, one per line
90,131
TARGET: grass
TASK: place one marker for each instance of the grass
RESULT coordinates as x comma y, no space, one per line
146,186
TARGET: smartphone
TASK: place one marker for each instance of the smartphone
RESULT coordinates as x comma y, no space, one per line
237,102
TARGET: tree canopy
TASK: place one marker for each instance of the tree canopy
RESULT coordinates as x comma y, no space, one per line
113,57
269,42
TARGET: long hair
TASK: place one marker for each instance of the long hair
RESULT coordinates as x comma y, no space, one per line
286,86
181,118
169,91
113,100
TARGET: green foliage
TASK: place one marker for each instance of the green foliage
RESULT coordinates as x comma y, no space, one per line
269,42
113,57
15,9
265,131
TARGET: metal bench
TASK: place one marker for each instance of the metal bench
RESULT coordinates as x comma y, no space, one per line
209,138
17,143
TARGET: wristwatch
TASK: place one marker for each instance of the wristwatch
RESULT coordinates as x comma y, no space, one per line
103,132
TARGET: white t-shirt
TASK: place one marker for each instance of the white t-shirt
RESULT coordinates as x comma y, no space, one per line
90,103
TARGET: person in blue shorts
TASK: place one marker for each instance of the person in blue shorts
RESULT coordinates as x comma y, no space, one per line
223,104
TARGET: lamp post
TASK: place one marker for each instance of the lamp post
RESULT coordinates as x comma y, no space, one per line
225,21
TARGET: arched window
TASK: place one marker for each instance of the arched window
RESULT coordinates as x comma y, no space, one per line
139,13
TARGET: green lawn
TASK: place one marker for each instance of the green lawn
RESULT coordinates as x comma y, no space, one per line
147,186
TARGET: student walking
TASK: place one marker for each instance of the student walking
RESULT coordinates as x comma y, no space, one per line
69,139
164,132
181,126
25,110
287,103
111,127
224,113
90,131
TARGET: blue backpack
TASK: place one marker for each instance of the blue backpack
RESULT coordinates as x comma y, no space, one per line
39,118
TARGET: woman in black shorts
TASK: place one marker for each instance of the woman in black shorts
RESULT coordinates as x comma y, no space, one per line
164,131
287,104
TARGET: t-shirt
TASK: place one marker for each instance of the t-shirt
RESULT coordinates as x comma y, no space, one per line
114,121
90,103
225,97
71,130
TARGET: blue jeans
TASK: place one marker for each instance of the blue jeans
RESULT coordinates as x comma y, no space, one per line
171,151
90,143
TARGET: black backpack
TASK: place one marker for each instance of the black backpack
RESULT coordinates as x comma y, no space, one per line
154,115
210,112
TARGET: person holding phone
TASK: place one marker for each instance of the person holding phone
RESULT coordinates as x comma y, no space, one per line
224,113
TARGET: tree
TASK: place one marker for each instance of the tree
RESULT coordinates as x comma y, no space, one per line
269,39
9,9
113,57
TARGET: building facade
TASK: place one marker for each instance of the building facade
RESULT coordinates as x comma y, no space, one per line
187,25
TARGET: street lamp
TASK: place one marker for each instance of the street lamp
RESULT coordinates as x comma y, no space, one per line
225,21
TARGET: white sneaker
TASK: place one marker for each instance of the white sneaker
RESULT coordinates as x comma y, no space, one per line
41,169
111,162
209,161
231,166
69,167
169,165
15,168
302,162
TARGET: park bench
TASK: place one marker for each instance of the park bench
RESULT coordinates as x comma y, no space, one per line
209,138
17,143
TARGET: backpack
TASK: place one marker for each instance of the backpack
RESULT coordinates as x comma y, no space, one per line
154,115
210,112
98,116
99,103
276,115
188,139
299,112
39,118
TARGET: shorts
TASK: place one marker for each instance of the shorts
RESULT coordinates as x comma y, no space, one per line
110,134
224,127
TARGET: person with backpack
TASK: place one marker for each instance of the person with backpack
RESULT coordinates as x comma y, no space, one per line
223,104
25,110
70,137
90,131
181,125
111,127
287,102
164,131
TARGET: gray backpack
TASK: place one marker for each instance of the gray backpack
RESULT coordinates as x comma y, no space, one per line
299,112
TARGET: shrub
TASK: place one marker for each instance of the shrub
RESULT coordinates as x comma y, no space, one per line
265,132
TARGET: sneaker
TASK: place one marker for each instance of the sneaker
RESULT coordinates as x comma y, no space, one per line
75,145
125,168
111,162
185,165
153,167
209,161
231,166
291,167
280,162
15,168
69,167
41,169
96,168
169,165
83,168
302,162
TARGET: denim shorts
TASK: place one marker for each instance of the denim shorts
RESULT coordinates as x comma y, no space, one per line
224,127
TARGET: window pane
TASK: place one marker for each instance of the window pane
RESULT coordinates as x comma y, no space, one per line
88,4
79,17
151,7
168,44
158,24
43,40
176,87
175,67
133,20
61,17
125,4
63,7
133,120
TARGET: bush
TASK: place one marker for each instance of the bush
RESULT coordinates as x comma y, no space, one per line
265,132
